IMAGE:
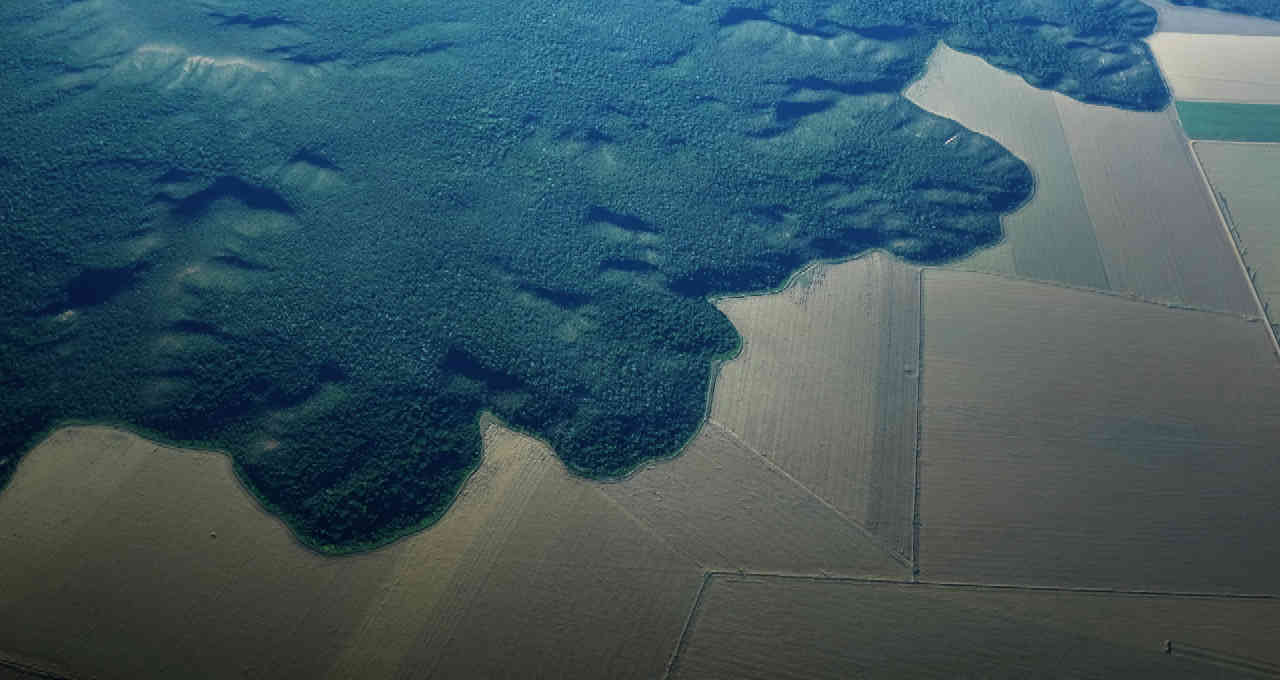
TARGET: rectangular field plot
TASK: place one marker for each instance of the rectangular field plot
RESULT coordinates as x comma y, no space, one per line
1229,121
1227,68
1187,19
1246,177
769,627
1074,438
1050,238
1157,229
826,387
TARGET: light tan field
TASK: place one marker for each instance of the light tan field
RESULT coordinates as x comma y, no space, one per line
1074,438
1184,19
1157,229
1051,238
112,569
128,559
1245,178
826,387
1233,68
1119,204
766,627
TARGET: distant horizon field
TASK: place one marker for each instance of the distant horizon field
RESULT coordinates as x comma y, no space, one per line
1230,121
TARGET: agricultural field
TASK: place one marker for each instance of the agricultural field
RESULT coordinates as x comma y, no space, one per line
1225,68
531,568
1080,439
759,626
1119,204
826,387
728,507
462,301
1230,121
1189,19
1051,237
150,562
1157,228
1245,177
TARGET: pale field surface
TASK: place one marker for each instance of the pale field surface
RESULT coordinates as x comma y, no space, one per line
826,387
1157,229
1181,19
760,627
1082,439
1231,68
561,584
111,570
1050,238
1246,178
729,507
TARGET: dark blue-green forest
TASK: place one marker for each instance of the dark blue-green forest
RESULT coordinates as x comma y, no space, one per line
325,237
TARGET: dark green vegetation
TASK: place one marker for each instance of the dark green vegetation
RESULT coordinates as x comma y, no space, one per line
1269,9
1230,121
325,236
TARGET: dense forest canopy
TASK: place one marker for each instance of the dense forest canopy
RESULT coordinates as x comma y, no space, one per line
326,236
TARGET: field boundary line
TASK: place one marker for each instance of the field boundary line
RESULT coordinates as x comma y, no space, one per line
1235,246
688,623
1217,207
915,494
893,554
649,529
1172,305
960,585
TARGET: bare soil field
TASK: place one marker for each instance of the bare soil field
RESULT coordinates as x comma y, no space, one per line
1157,230
1119,204
1074,438
826,387
127,559
1245,177
729,507
1230,68
767,627
1051,238
1182,19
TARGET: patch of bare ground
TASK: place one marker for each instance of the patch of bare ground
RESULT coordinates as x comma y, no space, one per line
769,627
1231,68
127,559
1154,219
1074,438
1051,238
729,507
826,388
1185,19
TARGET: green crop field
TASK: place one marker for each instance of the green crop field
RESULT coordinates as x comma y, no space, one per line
1229,121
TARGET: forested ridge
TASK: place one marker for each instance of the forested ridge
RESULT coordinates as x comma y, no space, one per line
325,237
